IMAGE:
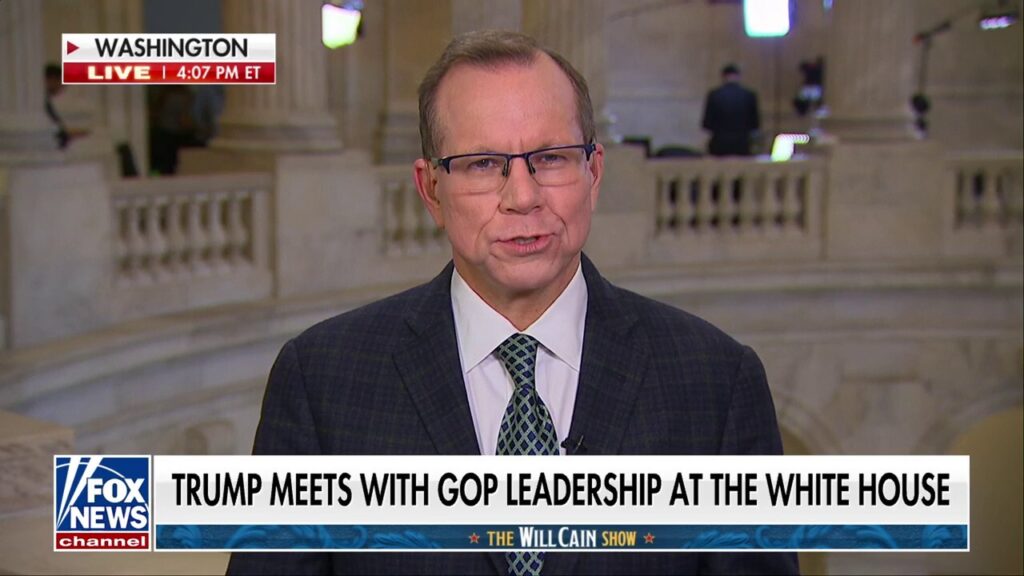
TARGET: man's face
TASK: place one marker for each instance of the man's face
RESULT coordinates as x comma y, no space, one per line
522,239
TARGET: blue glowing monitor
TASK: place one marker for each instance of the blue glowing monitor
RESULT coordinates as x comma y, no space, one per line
766,18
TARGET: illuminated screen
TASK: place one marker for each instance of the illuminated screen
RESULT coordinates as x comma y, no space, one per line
340,25
784,144
766,18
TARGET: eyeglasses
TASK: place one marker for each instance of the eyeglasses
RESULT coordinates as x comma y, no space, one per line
487,172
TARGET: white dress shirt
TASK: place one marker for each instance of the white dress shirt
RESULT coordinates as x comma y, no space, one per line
479,330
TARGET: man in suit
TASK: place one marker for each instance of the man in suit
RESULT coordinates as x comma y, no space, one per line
511,171
731,115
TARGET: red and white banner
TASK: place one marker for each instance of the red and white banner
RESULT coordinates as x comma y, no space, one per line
169,58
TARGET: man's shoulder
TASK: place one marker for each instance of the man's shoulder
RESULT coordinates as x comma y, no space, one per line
668,326
378,321
733,88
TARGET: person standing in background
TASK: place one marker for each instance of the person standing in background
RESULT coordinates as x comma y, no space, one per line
207,106
731,115
54,86
171,127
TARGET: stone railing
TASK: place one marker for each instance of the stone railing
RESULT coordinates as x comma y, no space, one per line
988,191
83,253
184,227
984,199
731,210
209,233
407,228
735,209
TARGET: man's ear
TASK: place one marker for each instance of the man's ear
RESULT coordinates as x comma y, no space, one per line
426,186
596,174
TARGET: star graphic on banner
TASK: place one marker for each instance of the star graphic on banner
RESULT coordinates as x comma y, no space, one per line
649,538
474,538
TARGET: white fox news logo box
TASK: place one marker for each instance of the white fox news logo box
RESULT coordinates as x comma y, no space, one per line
102,503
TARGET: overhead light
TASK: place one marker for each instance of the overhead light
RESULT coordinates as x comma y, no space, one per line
999,21
766,18
1002,15
340,23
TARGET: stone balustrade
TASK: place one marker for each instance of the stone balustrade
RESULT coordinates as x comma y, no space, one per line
109,252
79,252
983,204
988,189
190,242
407,228
736,209
173,229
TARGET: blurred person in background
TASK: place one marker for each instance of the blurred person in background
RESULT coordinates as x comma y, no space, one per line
54,87
731,115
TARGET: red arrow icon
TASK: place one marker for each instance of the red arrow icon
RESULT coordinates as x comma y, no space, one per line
71,47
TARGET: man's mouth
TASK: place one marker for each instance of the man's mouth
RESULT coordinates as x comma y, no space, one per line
525,245
524,238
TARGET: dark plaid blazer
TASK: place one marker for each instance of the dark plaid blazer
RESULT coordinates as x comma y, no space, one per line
384,379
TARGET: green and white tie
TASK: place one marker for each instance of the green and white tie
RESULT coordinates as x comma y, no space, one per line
527,427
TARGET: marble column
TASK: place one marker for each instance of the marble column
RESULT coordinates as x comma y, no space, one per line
356,82
292,116
104,115
124,109
576,30
882,178
26,132
417,32
469,15
869,71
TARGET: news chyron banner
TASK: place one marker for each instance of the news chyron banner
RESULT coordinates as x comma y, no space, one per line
169,58
502,503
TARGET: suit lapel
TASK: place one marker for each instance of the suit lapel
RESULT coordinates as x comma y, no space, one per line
428,362
615,358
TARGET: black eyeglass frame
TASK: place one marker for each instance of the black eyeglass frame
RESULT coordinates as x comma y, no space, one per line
446,161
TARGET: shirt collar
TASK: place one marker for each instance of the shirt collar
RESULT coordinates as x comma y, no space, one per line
480,329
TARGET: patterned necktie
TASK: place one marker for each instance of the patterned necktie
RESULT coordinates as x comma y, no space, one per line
527,427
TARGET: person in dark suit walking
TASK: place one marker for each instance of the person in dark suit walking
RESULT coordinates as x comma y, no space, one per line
731,115
512,172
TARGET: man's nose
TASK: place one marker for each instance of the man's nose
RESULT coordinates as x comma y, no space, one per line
521,192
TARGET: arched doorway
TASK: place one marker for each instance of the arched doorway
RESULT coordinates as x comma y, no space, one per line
995,447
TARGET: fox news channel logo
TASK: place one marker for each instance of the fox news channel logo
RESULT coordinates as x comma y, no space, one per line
101,503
